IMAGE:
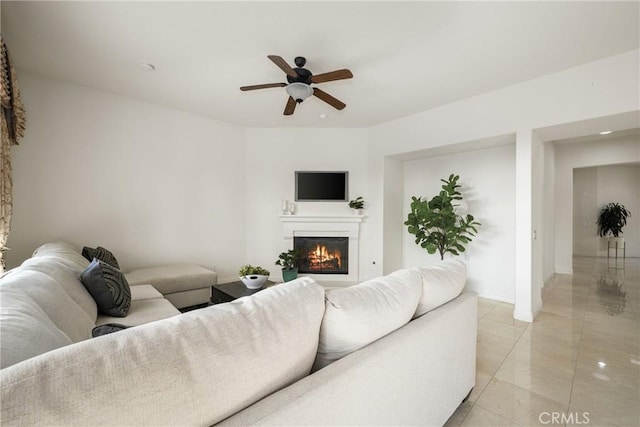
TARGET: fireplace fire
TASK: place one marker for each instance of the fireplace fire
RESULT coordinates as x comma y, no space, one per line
323,255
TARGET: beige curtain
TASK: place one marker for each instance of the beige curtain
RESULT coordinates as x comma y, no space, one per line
13,125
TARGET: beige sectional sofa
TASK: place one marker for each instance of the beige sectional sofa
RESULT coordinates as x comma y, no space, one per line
397,350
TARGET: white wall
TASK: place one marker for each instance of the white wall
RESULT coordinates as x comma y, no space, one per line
271,157
595,187
579,155
487,178
152,184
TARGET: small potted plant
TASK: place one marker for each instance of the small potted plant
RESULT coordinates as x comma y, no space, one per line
289,261
357,205
253,277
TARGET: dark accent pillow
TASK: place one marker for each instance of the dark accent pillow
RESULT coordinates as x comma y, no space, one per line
102,254
107,328
108,287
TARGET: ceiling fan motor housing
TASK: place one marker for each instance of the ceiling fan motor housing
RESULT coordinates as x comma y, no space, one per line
304,76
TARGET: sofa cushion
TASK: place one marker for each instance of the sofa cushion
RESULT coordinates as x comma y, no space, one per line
440,284
65,252
360,314
102,254
26,329
64,312
108,287
194,369
63,271
173,278
141,312
142,292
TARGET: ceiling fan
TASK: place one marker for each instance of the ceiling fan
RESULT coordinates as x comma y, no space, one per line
300,79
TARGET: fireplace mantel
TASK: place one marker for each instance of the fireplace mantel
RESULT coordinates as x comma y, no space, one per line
321,218
326,226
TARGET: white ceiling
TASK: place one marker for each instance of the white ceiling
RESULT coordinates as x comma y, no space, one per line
406,57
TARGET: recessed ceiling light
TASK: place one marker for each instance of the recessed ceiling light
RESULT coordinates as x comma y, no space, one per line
145,66
323,116
605,132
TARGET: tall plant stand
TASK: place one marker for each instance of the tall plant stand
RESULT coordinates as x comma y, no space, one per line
617,244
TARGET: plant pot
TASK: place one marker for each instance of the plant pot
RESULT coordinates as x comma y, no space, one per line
289,275
616,242
254,281
357,211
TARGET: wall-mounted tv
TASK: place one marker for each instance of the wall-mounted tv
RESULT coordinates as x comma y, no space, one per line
313,186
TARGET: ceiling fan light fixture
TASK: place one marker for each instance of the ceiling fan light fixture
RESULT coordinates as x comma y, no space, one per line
299,91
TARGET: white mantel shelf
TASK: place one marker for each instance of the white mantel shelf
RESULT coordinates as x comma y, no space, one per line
321,218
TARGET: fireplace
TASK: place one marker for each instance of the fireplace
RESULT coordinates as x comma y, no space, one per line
321,227
323,255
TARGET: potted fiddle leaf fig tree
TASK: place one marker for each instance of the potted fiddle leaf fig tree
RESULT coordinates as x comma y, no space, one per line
436,224
611,219
289,262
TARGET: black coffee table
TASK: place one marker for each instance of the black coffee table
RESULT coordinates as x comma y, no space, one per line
226,292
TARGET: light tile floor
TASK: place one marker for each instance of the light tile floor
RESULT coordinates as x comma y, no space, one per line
578,363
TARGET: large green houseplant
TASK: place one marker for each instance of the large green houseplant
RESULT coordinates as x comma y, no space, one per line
611,219
436,224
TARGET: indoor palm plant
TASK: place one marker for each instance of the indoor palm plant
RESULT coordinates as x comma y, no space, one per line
611,219
289,262
436,224
253,277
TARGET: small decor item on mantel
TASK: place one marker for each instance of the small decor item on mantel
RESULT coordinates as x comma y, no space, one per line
253,277
436,224
289,262
357,205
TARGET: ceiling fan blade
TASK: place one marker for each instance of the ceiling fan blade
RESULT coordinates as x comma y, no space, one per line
264,86
290,107
331,76
282,64
338,105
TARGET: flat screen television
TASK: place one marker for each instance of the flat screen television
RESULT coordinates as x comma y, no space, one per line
312,186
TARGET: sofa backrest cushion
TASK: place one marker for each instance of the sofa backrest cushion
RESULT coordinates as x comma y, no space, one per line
194,369
70,255
358,315
66,272
64,312
26,329
440,284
